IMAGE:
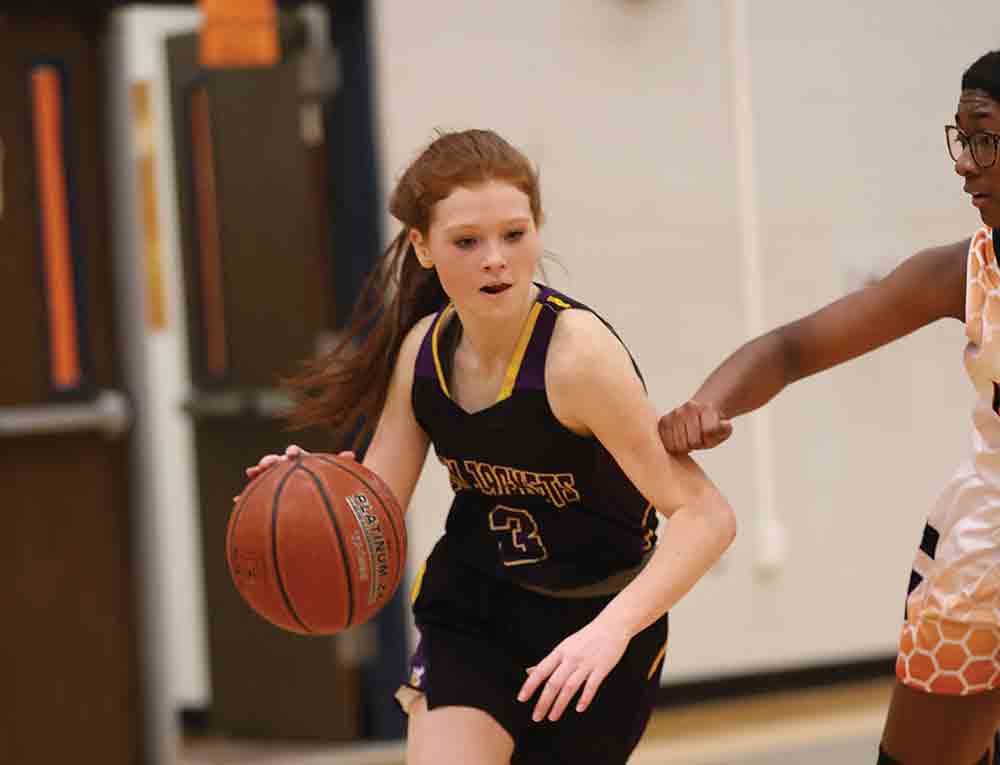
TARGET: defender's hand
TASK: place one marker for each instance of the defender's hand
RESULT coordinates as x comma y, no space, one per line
693,426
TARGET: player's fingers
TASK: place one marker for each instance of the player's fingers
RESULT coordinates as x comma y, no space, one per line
708,417
539,674
348,455
590,690
680,436
550,692
293,451
692,431
265,462
724,431
569,689
666,428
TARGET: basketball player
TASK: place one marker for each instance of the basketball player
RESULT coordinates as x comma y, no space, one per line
954,588
548,588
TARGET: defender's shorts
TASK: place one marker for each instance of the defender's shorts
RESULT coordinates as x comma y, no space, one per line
950,642
479,634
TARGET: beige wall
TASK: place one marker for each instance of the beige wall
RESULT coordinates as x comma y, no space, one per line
709,169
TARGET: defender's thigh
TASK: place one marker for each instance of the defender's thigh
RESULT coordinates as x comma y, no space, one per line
930,729
455,736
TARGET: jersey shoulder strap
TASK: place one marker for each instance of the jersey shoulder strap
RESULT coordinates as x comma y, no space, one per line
557,302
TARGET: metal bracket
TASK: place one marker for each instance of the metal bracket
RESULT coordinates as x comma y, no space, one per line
109,414
264,403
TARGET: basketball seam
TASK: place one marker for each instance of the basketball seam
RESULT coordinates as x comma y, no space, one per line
385,510
238,511
274,548
340,538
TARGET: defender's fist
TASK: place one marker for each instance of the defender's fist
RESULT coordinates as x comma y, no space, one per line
693,426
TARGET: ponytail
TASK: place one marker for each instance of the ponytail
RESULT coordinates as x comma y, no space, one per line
346,390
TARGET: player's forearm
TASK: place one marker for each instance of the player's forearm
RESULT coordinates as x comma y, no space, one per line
695,539
753,375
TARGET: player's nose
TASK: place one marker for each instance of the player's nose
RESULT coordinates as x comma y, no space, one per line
493,256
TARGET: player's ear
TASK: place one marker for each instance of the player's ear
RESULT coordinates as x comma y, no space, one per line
421,249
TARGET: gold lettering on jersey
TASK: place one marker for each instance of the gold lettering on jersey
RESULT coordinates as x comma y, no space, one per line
489,480
506,483
551,484
458,481
471,470
558,489
568,487
532,483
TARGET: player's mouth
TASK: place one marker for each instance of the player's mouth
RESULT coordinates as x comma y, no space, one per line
979,198
495,289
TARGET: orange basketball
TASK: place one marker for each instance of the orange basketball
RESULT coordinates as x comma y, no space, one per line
316,544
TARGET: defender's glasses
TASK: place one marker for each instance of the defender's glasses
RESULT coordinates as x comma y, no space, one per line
982,145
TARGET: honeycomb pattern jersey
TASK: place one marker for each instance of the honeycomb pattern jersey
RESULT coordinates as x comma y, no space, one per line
951,633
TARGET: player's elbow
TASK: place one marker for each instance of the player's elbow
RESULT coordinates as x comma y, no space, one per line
724,524
718,520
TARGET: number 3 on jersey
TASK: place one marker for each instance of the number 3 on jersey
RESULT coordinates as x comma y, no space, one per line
519,540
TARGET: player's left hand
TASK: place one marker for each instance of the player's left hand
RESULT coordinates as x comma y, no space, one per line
583,659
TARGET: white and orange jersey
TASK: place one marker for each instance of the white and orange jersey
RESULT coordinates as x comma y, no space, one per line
982,327
951,638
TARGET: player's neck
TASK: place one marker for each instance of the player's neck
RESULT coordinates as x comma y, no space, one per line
488,342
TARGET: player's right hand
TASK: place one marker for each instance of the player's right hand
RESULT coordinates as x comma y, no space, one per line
292,451
693,425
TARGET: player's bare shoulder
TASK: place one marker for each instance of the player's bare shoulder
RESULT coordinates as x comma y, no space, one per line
414,337
583,350
410,348
418,330
580,339
584,362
